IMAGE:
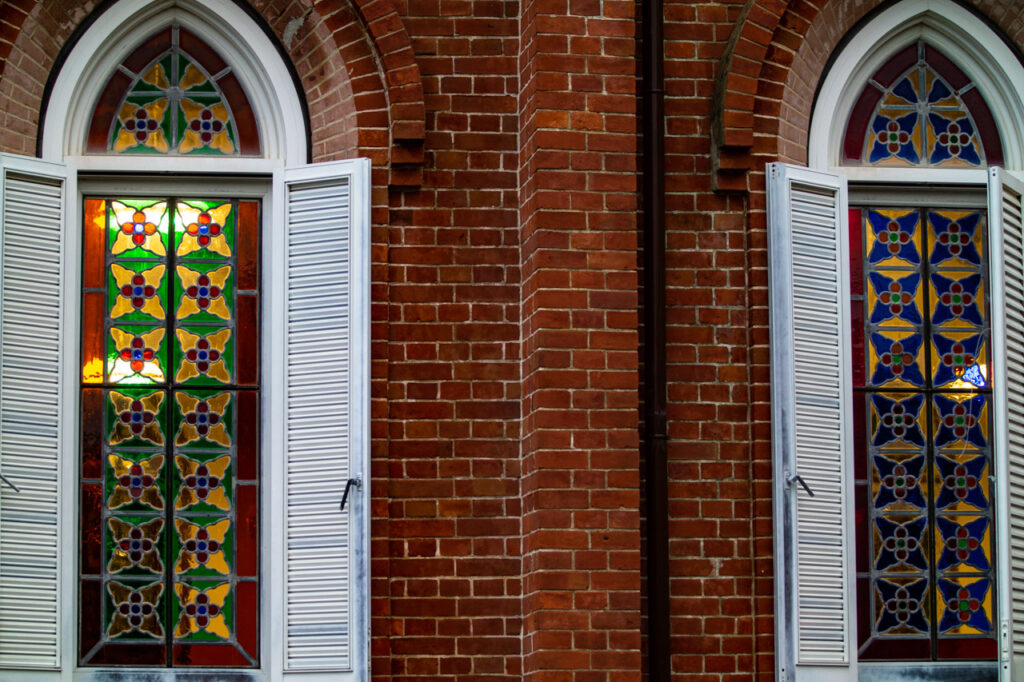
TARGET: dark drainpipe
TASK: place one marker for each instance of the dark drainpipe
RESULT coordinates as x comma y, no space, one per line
655,434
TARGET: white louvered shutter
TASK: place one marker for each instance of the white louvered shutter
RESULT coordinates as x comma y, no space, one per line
326,418
811,430
32,207
1006,246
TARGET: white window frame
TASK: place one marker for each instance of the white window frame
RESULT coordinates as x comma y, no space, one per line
999,76
283,135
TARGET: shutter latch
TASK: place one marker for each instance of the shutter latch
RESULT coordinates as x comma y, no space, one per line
8,482
357,482
797,478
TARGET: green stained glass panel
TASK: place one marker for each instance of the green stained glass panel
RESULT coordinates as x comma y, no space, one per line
135,610
204,229
204,355
137,354
134,481
136,418
137,292
134,545
204,419
137,228
143,125
203,610
192,79
206,292
205,126
203,483
203,546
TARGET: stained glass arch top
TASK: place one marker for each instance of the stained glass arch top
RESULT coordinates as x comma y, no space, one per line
920,110
174,95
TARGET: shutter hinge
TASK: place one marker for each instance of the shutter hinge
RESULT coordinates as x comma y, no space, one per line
356,481
1004,635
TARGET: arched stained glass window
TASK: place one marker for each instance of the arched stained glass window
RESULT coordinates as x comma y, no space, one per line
922,379
174,95
920,110
170,389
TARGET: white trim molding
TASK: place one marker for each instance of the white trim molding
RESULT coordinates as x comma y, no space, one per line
964,38
241,42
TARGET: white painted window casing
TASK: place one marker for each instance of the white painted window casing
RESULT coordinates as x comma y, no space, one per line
314,608
809,642
315,595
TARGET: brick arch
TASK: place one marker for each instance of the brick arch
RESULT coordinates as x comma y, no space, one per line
765,90
354,61
736,85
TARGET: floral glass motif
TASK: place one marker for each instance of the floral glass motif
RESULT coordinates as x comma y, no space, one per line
169,461
135,546
135,610
920,110
897,359
924,430
174,106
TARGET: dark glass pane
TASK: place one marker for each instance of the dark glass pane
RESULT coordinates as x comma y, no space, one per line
248,435
92,500
248,246
248,361
92,433
247,516
89,631
248,597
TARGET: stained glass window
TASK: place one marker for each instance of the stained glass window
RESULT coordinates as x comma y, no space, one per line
169,572
174,95
924,459
919,109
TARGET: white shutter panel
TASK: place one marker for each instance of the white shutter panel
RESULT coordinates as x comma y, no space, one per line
32,207
1006,248
811,430
326,224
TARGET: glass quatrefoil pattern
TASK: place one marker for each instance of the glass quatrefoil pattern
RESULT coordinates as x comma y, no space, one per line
169,571
925,552
920,110
174,95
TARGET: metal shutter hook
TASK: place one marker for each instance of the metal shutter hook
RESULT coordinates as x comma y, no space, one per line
797,478
8,482
357,482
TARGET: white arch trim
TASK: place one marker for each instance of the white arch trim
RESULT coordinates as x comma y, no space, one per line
222,24
964,38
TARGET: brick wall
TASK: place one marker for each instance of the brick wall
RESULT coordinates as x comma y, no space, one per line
506,532
453,359
709,368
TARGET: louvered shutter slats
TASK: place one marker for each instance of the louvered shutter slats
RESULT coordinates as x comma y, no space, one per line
30,419
810,406
1006,212
318,583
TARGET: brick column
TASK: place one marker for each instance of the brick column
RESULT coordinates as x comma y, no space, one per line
578,200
